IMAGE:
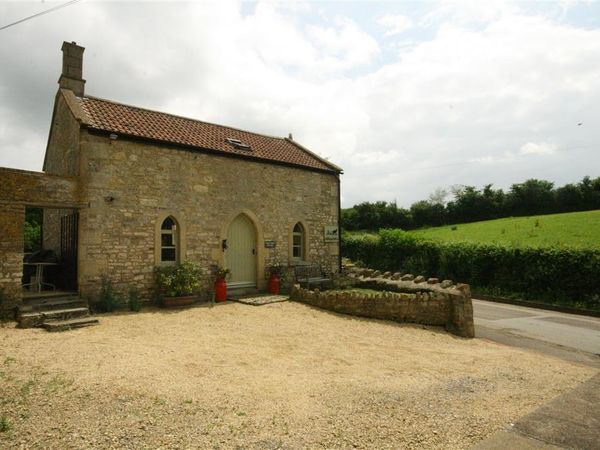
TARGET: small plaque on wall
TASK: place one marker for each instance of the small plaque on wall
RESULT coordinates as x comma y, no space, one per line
331,233
270,244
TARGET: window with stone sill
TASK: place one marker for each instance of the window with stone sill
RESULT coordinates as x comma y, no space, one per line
169,240
298,242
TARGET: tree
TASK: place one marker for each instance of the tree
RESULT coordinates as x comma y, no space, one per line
531,197
438,196
425,213
470,204
32,232
569,198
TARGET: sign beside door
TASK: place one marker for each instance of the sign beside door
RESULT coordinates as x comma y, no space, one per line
331,233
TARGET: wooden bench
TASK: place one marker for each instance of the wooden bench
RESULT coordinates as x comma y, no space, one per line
312,275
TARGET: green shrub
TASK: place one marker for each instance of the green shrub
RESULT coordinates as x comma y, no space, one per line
556,275
107,300
32,234
133,299
177,281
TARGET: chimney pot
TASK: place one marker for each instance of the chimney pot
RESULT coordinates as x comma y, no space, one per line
72,68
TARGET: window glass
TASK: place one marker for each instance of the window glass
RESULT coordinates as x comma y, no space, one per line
167,224
168,240
298,242
167,254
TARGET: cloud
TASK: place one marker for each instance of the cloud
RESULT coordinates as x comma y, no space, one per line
543,148
345,45
395,24
468,12
466,104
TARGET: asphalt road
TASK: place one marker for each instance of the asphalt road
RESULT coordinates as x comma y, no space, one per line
568,336
570,420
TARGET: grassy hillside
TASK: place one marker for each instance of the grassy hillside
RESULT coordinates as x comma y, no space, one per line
579,229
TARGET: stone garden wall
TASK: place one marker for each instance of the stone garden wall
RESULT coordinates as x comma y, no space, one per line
403,298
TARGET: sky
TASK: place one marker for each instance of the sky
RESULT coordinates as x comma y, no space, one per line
406,97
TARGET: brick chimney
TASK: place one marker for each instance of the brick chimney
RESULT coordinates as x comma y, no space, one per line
72,68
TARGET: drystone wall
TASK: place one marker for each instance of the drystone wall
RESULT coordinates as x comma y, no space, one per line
403,298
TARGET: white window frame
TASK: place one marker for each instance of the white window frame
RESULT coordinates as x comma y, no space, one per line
302,245
174,232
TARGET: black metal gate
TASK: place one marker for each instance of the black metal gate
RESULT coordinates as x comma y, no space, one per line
68,251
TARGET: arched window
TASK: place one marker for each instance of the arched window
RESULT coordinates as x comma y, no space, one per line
298,242
169,240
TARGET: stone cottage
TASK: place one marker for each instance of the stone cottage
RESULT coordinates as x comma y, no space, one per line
125,189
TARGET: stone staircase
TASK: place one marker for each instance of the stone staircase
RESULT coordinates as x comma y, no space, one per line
55,313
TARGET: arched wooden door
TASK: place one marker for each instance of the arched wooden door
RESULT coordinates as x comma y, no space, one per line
240,256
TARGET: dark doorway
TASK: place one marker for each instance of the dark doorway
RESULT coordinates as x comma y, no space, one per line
69,226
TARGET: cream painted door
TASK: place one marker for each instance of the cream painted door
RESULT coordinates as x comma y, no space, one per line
240,256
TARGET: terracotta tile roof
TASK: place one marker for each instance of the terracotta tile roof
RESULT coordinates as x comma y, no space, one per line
132,121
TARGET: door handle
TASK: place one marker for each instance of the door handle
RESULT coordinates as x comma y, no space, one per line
254,251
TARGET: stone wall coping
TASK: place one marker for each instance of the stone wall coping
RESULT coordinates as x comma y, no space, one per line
408,282
37,174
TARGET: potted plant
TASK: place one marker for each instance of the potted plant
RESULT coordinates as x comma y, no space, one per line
177,285
275,273
221,284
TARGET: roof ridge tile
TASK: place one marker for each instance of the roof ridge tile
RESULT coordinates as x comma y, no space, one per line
177,116
128,120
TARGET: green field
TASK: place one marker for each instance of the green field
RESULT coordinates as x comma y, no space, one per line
579,229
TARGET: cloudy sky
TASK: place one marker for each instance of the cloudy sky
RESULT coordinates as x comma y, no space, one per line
405,96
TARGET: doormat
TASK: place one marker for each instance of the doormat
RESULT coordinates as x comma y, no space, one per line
259,300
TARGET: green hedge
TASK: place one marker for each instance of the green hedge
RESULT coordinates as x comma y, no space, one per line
554,275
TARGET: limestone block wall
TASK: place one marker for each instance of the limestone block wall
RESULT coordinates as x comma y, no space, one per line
404,299
38,189
12,221
62,152
18,189
62,158
132,186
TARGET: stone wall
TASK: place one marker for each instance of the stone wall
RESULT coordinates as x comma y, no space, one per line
404,298
131,186
18,189
62,152
38,189
62,158
12,221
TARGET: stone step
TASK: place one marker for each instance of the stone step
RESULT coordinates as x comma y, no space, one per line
52,304
64,325
44,295
36,319
233,293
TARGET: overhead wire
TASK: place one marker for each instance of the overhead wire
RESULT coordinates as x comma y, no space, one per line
49,10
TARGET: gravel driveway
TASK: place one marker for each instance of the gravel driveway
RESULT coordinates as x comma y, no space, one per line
277,376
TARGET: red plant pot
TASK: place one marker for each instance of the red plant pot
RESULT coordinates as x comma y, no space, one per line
274,284
220,290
